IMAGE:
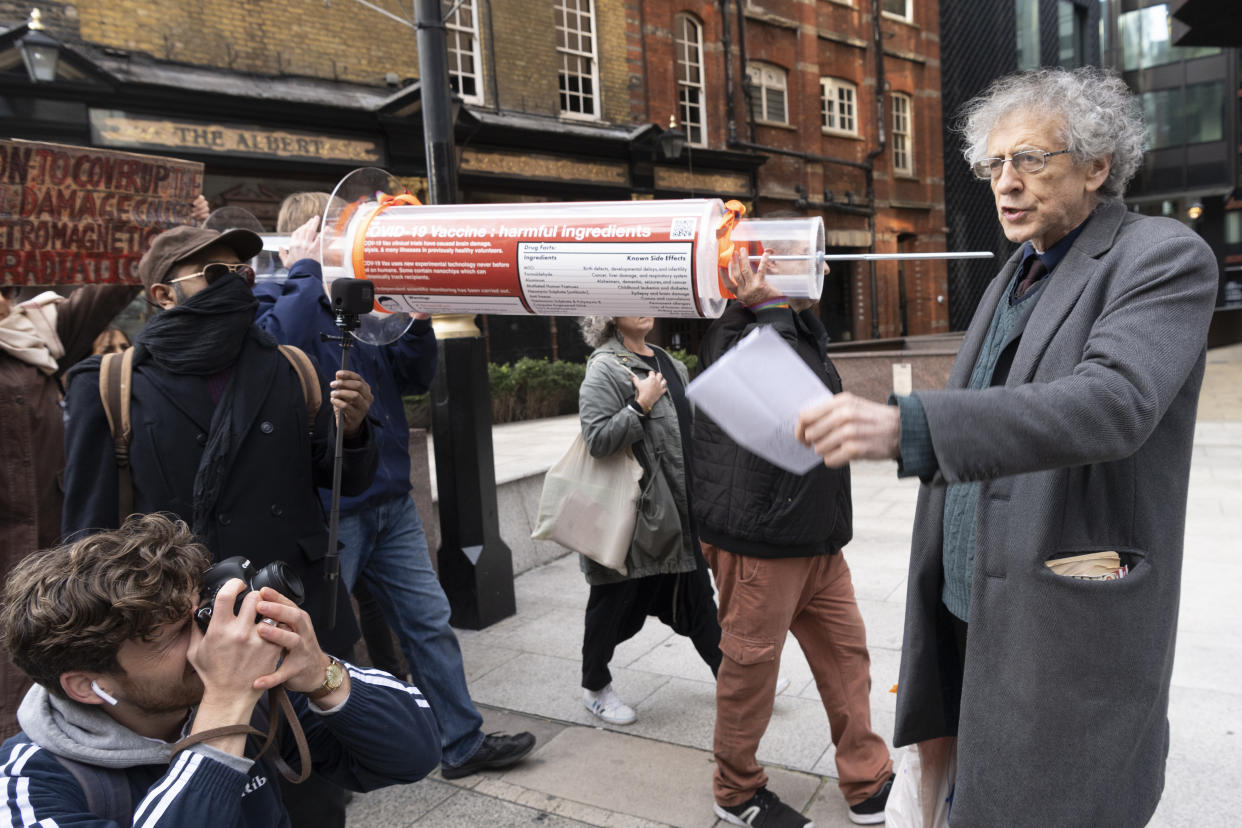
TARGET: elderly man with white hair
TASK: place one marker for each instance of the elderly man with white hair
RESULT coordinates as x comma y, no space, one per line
1041,611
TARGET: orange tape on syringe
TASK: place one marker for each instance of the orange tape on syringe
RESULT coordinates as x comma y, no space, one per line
734,210
359,261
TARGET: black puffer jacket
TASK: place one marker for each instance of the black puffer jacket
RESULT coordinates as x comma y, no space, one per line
745,504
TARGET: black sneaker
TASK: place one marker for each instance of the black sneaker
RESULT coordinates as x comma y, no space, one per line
499,750
871,810
763,810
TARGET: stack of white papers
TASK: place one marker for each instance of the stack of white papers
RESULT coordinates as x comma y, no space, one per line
755,393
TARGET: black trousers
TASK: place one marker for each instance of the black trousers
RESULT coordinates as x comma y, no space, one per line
616,612
316,803
951,633
377,634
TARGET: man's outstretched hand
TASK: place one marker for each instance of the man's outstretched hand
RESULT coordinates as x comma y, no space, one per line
847,428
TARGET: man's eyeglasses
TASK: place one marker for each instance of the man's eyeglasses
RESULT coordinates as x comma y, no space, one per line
1027,161
218,270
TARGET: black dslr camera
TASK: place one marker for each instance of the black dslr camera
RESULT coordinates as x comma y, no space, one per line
277,575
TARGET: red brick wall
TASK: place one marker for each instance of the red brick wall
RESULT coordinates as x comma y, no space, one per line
811,40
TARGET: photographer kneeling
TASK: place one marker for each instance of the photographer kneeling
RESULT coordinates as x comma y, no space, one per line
124,679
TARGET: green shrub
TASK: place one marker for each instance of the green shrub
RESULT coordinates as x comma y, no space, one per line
418,410
691,361
529,389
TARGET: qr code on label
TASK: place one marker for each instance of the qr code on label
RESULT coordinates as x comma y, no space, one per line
683,228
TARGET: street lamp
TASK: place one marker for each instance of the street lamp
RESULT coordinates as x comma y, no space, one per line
672,141
1195,211
40,53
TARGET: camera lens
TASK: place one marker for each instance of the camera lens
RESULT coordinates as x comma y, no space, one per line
280,576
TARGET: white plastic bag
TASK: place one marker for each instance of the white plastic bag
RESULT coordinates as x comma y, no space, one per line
913,802
589,504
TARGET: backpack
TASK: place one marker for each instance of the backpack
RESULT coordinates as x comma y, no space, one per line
115,386
107,789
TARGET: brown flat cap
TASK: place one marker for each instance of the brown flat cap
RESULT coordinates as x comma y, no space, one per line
180,243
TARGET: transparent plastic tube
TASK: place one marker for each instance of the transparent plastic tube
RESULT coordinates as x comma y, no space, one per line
796,246
639,258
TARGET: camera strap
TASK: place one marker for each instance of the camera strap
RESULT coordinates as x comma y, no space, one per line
278,705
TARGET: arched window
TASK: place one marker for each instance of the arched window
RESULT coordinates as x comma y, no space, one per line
690,84
838,106
768,101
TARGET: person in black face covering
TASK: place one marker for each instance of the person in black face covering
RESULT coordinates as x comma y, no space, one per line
221,436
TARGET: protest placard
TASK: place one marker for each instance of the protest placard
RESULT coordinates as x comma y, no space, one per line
81,215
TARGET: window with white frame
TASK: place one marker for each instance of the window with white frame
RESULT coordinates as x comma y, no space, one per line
689,42
464,64
768,100
903,159
902,9
578,78
838,106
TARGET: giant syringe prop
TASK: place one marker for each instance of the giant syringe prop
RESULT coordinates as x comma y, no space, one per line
624,258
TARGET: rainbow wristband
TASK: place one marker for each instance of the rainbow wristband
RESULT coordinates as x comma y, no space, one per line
779,302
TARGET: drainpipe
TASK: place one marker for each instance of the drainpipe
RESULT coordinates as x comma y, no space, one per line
726,40
871,156
734,143
491,57
746,88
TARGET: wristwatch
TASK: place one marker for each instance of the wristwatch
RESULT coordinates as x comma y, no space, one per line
333,678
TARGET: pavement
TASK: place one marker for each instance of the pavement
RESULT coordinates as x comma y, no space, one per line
524,671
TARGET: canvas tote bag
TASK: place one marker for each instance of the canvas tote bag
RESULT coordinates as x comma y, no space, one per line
590,504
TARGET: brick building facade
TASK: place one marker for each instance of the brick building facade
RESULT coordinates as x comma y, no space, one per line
820,136
561,100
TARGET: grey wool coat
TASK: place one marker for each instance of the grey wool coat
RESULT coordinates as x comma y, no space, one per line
1085,447
609,424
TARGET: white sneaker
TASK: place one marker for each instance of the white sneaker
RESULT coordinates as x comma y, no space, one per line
782,684
607,705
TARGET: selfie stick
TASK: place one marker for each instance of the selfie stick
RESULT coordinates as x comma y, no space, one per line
349,296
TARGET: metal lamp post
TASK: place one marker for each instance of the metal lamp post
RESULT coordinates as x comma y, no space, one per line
475,564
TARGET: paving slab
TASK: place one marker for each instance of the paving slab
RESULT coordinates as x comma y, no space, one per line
525,671
398,806
655,781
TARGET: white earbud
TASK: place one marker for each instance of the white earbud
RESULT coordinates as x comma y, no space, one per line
99,691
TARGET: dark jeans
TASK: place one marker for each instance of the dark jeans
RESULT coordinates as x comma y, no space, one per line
616,612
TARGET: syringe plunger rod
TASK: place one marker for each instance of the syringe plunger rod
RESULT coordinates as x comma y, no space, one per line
879,257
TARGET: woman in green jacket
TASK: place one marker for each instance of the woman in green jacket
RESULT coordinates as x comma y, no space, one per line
634,395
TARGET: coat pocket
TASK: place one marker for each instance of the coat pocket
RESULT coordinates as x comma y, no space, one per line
657,527
315,547
1105,636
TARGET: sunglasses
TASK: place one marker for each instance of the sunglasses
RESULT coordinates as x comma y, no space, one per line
218,270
